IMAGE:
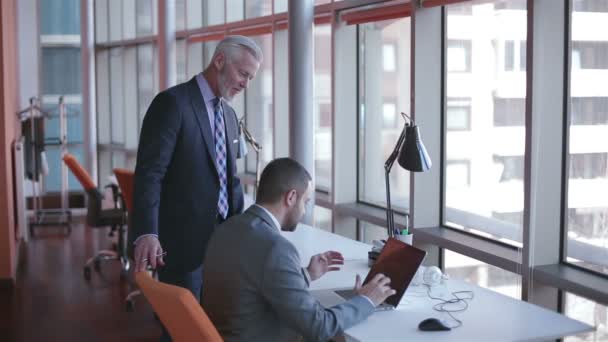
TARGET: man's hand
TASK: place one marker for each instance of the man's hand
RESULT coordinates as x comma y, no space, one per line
148,252
377,290
323,263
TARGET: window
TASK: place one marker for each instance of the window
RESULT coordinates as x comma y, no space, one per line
61,72
323,112
259,106
591,110
491,180
146,17
459,56
588,165
458,116
515,53
389,115
473,271
389,57
511,167
322,218
60,75
590,312
590,55
510,5
458,173
383,94
257,8
590,5
60,17
587,215
371,232
509,112
235,10
202,13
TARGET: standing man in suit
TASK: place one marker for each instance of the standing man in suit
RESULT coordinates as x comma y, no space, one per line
185,178
261,292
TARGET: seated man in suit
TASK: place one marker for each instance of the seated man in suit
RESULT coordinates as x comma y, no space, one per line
255,287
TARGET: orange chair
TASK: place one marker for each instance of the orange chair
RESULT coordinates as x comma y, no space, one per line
98,217
126,180
178,310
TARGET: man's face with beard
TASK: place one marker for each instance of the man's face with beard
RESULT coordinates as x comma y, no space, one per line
235,72
297,211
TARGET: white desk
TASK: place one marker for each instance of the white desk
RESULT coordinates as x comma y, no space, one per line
491,316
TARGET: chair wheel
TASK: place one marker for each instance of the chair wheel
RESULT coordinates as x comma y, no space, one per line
87,273
130,306
97,265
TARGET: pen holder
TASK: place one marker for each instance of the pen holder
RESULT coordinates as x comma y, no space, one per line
408,238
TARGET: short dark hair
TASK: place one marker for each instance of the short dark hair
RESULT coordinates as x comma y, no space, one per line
280,176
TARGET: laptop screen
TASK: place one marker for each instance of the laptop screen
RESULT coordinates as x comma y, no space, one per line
398,261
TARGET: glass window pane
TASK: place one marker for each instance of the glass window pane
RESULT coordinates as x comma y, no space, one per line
384,92
180,61
322,106
60,17
104,164
128,19
590,312
473,271
202,13
195,59
115,20
146,73
258,8
52,181
371,232
280,6
485,136
73,110
146,17
235,10
258,102
131,125
117,95
61,72
180,15
103,96
322,218
101,21
587,242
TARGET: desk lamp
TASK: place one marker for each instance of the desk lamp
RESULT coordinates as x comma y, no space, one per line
412,156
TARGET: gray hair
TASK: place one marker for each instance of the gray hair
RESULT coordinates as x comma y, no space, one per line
229,45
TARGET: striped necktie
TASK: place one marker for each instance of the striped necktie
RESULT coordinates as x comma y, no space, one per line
220,157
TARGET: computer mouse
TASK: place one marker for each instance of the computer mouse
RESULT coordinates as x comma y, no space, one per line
433,324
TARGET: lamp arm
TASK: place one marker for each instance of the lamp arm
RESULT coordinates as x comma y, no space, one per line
388,165
248,137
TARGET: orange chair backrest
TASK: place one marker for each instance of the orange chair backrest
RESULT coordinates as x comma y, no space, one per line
179,311
81,174
125,180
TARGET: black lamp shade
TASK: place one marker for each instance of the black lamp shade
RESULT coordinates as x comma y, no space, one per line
413,155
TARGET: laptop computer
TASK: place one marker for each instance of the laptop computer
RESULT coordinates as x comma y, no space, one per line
399,261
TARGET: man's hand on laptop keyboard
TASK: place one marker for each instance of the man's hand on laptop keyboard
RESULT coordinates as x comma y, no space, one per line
377,289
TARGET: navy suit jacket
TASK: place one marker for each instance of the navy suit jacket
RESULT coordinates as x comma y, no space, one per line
176,180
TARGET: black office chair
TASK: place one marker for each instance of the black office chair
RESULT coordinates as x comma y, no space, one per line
97,217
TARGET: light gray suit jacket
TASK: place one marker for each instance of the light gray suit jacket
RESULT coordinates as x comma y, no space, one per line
254,288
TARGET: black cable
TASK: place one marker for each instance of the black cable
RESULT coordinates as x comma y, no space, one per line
458,299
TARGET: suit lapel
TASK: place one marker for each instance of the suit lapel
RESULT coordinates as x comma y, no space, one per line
200,110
